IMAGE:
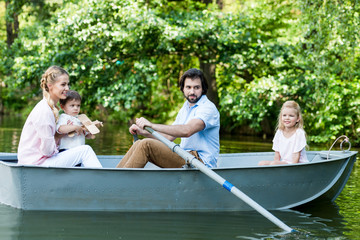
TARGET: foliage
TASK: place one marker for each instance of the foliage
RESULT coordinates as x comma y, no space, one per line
125,58
118,52
330,56
2,22
252,78
320,71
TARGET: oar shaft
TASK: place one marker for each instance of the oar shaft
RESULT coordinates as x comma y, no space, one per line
234,190
217,178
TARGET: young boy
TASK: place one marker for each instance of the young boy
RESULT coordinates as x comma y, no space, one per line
68,123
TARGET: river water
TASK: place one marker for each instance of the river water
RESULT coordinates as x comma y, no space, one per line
338,220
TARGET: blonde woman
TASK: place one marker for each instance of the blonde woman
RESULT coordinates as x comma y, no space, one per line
39,141
289,141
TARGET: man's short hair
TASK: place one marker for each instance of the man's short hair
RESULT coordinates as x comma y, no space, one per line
194,73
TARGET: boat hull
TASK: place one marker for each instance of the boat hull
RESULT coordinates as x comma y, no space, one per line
154,189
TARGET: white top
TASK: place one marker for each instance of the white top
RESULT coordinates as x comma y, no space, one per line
287,146
37,142
67,142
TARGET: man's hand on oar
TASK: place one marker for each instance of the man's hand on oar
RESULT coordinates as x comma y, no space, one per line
143,122
138,128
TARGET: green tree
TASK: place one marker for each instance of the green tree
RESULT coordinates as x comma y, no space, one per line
329,57
125,58
319,69
19,15
118,52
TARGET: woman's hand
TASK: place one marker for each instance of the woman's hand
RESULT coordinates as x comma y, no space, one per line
57,137
88,135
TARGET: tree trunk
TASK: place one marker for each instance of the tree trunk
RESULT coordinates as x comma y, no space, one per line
1,104
209,72
218,2
209,68
2,110
12,27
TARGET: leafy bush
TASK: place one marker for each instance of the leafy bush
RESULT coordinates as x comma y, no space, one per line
125,58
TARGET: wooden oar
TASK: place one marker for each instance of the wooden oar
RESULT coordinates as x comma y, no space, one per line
217,178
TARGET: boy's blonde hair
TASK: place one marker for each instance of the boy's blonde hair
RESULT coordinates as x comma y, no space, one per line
296,107
50,77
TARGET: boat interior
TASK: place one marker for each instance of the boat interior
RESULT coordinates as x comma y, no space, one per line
228,160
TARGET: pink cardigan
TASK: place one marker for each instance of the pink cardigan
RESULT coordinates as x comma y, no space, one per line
37,142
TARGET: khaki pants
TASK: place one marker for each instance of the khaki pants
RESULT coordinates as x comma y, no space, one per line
154,151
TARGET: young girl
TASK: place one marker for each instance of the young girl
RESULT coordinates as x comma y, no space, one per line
38,141
289,141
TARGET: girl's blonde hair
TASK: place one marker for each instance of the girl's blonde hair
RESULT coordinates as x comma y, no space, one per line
50,77
296,107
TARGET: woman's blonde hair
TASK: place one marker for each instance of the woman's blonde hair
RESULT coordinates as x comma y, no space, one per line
296,107
50,77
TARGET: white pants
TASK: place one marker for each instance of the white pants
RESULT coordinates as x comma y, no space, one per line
83,154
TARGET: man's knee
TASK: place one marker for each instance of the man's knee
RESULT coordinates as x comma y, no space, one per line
147,143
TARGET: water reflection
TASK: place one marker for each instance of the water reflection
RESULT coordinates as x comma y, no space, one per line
349,203
115,139
9,134
332,220
327,214
17,224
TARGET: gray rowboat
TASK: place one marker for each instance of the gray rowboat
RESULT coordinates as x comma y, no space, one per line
155,189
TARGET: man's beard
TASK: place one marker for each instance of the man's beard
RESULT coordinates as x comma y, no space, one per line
195,100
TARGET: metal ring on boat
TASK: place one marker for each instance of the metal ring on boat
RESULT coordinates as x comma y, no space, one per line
345,140
341,147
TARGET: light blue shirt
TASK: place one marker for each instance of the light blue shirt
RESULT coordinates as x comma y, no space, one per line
205,142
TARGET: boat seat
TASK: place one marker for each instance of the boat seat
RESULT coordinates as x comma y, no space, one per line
151,166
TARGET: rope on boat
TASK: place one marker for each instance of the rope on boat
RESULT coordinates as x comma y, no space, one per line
346,140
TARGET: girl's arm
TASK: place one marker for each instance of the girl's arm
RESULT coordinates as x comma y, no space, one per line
58,137
277,156
296,157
